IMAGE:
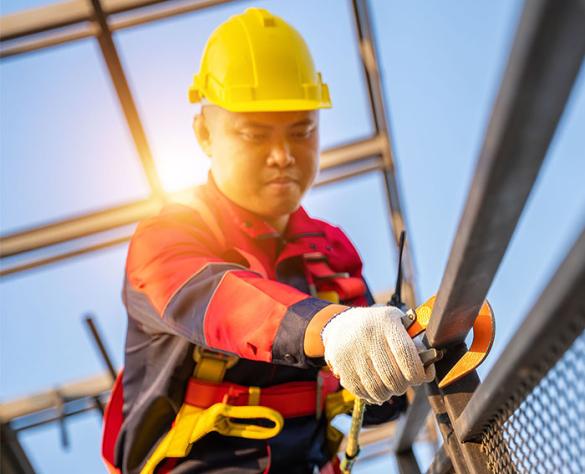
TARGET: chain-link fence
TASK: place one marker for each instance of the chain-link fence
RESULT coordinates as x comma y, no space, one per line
543,430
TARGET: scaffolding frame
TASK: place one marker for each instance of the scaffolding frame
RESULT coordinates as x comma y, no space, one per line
546,56
52,25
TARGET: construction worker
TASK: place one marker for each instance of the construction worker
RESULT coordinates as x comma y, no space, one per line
237,299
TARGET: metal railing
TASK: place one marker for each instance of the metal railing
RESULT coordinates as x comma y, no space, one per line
546,56
52,25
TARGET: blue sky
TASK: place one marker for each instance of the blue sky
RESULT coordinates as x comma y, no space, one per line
65,149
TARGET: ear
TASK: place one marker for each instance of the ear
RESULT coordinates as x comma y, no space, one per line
201,129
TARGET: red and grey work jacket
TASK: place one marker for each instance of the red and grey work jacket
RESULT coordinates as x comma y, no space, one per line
248,292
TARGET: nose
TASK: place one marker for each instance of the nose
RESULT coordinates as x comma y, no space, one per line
280,155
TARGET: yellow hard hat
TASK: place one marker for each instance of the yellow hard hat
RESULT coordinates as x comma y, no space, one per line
254,62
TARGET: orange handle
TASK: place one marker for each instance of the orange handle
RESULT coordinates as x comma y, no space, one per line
484,330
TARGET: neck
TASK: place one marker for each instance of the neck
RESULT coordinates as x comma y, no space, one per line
279,223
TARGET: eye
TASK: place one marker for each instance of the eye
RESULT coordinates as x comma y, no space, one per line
304,133
251,136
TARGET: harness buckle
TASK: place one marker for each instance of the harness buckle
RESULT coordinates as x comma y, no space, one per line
200,353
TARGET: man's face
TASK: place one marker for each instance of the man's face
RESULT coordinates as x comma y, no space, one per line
263,161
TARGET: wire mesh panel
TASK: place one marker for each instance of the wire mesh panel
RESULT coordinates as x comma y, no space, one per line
543,431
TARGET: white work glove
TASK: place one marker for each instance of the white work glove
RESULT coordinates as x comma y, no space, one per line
372,354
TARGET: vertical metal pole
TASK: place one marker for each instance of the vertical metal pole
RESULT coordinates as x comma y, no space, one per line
376,96
13,459
112,59
100,346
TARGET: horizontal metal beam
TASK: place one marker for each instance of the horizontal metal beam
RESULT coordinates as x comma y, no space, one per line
32,264
58,15
78,227
545,59
349,153
554,322
50,25
55,38
69,229
91,387
366,166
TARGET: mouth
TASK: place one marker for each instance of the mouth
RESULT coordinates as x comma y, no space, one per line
282,180
282,186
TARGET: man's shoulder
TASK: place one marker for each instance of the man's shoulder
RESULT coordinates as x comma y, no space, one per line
186,208
188,217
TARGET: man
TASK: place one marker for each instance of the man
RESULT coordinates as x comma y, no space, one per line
237,299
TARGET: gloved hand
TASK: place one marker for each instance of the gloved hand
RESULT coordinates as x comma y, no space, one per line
372,354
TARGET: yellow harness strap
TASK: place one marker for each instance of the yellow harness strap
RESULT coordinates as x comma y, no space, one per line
192,423
331,296
336,403
211,366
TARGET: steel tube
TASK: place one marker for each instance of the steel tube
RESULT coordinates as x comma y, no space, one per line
118,76
545,59
369,57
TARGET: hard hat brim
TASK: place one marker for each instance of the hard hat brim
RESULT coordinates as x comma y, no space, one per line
271,105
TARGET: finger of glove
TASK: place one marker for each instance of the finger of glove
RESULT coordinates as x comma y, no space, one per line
405,353
357,373
430,373
377,388
351,380
389,371
430,370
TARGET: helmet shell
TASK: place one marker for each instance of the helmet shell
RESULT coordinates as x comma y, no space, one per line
255,61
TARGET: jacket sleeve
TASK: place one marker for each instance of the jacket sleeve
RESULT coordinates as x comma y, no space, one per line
177,282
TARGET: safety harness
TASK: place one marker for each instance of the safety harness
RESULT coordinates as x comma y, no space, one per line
212,404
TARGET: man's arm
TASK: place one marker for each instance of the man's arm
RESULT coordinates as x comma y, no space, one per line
177,282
